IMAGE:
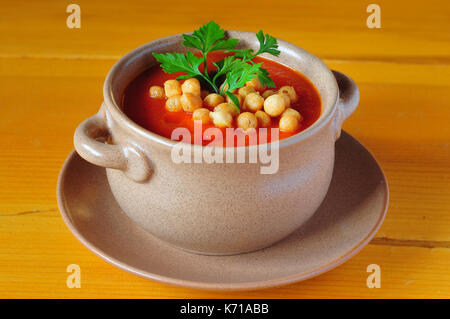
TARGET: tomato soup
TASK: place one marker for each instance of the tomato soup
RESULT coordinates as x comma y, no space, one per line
152,114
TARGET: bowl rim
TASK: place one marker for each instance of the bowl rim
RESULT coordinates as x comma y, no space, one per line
125,122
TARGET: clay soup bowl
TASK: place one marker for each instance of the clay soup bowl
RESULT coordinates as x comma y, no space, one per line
218,208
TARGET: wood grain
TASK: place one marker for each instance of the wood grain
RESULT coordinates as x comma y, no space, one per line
411,30
51,79
39,270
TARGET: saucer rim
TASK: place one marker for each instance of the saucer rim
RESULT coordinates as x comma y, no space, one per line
246,285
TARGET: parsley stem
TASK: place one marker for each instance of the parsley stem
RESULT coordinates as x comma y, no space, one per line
206,75
207,79
205,66
215,77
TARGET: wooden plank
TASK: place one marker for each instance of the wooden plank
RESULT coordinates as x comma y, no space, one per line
427,74
51,79
411,30
36,248
406,129
40,114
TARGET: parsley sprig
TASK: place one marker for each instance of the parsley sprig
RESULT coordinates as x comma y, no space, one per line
233,71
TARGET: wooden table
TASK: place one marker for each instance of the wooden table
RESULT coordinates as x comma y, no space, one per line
51,79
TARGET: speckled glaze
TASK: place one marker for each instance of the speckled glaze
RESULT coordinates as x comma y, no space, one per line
216,208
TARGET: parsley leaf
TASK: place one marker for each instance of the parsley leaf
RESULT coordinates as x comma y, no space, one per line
190,41
234,99
237,77
264,78
179,62
236,70
209,37
227,44
209,34
244,54
267,44
226,65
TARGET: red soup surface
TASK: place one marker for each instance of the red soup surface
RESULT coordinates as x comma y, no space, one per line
152,115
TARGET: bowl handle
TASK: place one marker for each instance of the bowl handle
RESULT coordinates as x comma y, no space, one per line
348,99
89,145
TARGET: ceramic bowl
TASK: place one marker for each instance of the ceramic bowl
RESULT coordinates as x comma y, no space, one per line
218,208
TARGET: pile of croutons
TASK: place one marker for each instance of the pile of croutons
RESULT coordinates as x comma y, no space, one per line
257,106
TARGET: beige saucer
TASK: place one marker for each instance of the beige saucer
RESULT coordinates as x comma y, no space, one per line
351,214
